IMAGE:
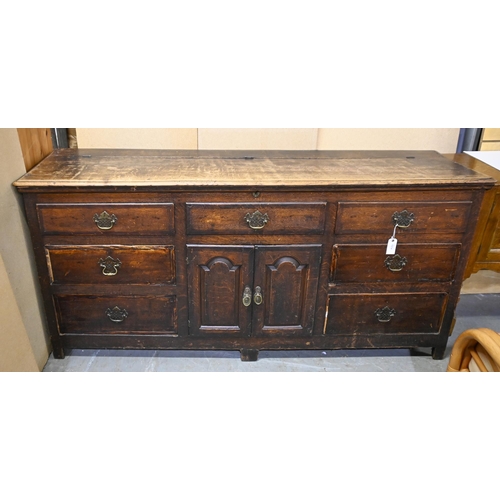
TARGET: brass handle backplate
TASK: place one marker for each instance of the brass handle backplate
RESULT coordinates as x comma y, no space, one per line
385,314
109,265
403,219
257,220
116,314
247,296
105,221
257,296
395,263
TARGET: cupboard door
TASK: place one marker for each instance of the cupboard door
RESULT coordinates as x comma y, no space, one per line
288,280
218,277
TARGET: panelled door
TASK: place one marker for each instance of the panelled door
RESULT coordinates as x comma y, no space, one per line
252,289
217,278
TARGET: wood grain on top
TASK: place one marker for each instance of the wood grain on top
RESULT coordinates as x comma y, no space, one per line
101,168
36,144
475,164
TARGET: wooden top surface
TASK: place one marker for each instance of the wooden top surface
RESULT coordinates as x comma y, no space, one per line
167,168
475,164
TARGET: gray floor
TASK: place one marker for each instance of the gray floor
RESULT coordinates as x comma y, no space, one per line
473,311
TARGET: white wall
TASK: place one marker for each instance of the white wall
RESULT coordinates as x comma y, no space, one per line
21,320
442,140
257,138
137,138
16,353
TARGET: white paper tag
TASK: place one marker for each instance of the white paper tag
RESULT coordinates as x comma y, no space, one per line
392,243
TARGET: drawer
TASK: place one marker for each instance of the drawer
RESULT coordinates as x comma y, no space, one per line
116,314
411,263
252,218
378,217
111,264
366,314
104,218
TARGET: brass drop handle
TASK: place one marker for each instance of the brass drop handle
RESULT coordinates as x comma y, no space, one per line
385,314
395,263
403,218
116,314
109,265
247,296
257,220
105,221
257,296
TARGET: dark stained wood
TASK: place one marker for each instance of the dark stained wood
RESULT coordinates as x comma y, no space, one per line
229,218
249,354
111,264
147,218
412,313
438,352
235,343
412,262
89,314
30,201
288,277
218,276
330,215
376,217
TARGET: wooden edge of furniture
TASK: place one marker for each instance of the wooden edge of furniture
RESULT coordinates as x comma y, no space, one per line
36,144
486,207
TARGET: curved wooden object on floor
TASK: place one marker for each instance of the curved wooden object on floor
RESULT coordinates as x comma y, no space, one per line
464,348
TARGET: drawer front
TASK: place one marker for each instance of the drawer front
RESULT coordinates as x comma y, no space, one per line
252,218
111,264
366,314
411,263
378,217
91,314
107,218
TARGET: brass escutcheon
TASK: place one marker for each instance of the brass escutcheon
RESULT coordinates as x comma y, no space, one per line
395,263
105,221
256,220
403,218
385,314
116,314
109,265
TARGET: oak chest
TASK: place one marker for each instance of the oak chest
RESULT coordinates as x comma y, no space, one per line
250,250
